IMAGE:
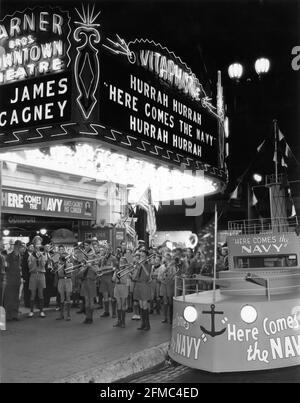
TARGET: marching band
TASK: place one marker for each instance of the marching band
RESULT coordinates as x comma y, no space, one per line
130,280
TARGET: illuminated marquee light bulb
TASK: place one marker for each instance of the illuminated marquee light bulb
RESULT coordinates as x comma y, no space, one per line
248,314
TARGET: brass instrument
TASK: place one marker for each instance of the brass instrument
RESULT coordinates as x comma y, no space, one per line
106,270
131,267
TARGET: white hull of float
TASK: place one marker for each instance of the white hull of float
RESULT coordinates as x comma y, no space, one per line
221,341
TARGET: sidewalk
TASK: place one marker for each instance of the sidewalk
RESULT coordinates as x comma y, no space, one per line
46,350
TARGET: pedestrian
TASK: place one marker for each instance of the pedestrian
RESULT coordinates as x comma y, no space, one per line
37,281
3,266
13,283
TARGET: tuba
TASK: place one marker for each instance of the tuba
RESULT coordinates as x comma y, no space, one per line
192,241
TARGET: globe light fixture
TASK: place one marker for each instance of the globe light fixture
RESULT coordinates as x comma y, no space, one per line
43,231
262,66
190,314
235,71
248,314
257,177
6,232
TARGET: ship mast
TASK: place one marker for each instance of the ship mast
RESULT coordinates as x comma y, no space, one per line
275,150
278,211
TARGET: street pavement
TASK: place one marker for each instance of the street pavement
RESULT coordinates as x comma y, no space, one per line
181,374
46,350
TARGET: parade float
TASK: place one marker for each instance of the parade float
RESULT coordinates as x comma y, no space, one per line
250,319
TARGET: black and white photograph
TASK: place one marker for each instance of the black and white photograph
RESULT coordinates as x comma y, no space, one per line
149,194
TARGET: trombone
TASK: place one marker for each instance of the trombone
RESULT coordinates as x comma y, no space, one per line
105,270
130,267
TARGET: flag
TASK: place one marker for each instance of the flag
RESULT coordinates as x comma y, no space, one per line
280,135
145,203
275,156
130,229
234,194
254,200
288,151
283,163
293,213
260,146
206,240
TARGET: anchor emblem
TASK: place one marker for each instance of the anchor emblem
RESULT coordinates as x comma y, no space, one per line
212,313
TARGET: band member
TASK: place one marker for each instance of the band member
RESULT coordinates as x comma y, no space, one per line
130,259
155,285
142,289
98,252
61,253
121,292
88,275
50,290
65,286
37,269
3,266
167,279
136,305
13,282
109,263
83,252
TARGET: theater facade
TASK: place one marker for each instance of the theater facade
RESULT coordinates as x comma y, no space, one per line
90,119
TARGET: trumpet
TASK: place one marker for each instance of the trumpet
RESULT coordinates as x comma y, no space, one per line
128,268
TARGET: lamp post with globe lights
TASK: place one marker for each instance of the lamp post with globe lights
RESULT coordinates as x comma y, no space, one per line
243,108
262,66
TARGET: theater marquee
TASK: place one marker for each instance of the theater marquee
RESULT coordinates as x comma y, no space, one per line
63,79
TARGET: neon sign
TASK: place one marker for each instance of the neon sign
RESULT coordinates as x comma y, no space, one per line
33,43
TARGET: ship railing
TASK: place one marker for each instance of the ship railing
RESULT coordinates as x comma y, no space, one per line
264,225
195,284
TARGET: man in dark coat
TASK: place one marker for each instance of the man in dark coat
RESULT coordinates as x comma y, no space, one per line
13,282
2,273
25,274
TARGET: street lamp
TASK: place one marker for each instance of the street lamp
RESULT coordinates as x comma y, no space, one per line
235,71
257,178
262,66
